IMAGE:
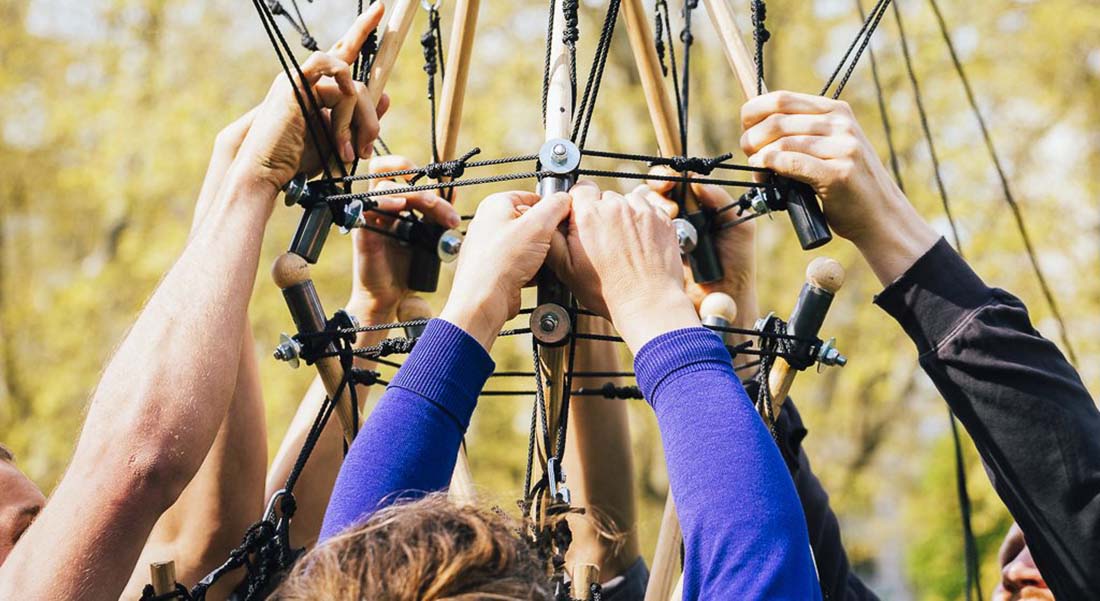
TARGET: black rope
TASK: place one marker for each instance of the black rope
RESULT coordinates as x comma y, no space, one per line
760,36
446,169
401,173
299,25
478,181
684,164
926,129
432,45
583,114
887,129
1006,189
549,51
667,178
858,45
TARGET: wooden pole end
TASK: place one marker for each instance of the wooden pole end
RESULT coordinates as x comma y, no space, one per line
826,274
289,270
719,304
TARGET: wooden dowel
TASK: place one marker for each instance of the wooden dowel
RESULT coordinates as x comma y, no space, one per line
389,45
454,81
584,576
733,45
662,112
163,577
559,94
666,559
291,271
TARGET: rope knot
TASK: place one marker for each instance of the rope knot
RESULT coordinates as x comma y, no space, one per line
427,43
699,165
446,169
571,32
309,43
394,346
365,377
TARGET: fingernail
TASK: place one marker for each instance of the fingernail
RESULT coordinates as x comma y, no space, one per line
454,221
346,152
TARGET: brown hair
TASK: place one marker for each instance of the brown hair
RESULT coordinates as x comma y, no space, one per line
6,454
427,550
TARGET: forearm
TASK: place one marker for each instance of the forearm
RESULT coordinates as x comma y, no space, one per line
598,461
225,496
408,445
1030,416
894,237
154,415
742,523
317,478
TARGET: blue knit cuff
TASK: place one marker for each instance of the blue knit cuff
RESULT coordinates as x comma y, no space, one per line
447,367
677,353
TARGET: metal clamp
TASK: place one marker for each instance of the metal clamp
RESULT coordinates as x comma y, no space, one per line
550,324
555,480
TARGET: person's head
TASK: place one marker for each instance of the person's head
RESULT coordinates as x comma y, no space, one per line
20,502
427,550
1020,578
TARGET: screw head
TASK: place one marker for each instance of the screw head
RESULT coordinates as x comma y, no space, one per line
450,243
686,235
548,323
559,153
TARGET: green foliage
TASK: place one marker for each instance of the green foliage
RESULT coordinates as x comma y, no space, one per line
109,110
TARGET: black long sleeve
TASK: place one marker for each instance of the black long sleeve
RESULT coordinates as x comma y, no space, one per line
1031,418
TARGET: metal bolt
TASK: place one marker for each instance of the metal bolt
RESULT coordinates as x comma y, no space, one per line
548,323
830,355
559,154
686,235
353,216
450,243
295,189
288,350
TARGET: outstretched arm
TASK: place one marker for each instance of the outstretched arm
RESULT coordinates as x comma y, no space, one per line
409,443
743,528
205,523
158,408
1031,418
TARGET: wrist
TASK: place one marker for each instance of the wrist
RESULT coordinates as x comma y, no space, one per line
369,310
643,317
478,319
898,237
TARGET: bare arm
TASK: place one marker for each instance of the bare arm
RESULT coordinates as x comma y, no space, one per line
226,495
598,462
154,415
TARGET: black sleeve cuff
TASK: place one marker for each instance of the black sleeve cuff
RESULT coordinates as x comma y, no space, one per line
934,295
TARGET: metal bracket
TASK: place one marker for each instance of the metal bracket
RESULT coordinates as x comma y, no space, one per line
555,480
560,156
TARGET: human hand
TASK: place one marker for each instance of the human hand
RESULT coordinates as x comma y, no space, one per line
276,146
505,245
621,259
736,245
380,264
818,141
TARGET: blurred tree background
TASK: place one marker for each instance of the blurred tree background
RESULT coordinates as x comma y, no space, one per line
109,109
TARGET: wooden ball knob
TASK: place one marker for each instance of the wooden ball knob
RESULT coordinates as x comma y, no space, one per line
414,307
826,274
289,270
719,304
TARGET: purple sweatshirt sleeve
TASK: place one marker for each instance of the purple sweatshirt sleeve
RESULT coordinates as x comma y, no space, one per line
408,445
744,532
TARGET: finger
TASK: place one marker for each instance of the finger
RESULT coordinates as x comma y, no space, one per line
585,191
364,121
383,106
342,115
558,257
779,125
347,48
547,214
434,207
795,165
822,147
659,201
662,186
320,64
712,197
757,109
502,205
388,163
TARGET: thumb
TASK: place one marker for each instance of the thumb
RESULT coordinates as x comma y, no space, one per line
548,213
558,258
